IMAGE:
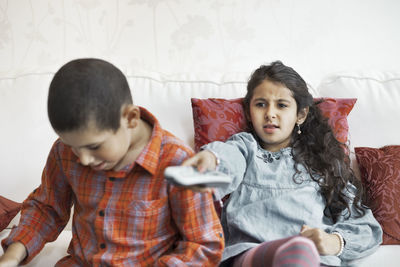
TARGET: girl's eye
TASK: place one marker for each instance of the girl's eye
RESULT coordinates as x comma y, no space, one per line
260,105
282,105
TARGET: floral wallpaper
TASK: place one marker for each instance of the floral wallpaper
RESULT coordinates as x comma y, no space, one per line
199,36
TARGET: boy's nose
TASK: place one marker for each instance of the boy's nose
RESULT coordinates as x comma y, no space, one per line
85,158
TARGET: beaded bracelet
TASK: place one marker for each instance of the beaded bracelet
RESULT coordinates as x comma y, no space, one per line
341,243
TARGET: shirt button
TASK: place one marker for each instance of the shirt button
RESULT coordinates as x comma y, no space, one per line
112,179
101,213
102,246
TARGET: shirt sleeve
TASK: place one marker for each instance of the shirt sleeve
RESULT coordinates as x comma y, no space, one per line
232,156
201,242
45,212
362,235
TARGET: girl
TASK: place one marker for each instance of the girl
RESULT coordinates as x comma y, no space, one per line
294,200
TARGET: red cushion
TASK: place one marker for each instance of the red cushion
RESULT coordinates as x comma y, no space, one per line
216,119
380,174
8,210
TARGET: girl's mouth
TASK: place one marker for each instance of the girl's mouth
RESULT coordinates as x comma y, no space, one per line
270,128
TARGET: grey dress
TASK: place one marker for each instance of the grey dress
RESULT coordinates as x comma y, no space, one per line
266,204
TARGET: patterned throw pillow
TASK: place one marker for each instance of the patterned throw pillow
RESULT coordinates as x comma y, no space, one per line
216,119
8,210
380,174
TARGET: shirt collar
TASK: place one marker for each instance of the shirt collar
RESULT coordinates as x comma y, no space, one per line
149,157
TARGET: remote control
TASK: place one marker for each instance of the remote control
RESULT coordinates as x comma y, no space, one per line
189,176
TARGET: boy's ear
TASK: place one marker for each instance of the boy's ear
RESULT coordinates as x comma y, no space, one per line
302,115
132,115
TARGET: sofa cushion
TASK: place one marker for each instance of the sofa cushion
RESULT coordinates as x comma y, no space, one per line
8,210
216,119
380,173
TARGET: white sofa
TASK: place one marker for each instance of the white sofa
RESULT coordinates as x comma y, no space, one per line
374,122
173,50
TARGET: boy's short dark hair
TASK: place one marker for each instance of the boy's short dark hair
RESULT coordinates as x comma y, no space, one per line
85,90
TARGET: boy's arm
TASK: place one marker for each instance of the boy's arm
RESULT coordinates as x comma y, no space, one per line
14,254
45,212
202,241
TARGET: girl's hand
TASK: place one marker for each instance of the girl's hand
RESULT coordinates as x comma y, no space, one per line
204,160
327,244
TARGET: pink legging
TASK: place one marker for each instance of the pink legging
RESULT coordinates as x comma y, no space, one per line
292,251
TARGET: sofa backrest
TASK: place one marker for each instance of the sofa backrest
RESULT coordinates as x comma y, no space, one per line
169,98
375,118
27,135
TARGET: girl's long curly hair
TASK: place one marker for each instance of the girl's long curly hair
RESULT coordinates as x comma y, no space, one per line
316,148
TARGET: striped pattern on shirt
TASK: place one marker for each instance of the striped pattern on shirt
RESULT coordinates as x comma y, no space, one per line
128,218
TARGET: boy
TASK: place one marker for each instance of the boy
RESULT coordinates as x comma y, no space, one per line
108,163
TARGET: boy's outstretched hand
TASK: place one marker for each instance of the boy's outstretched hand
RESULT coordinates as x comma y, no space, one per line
203,161
327,244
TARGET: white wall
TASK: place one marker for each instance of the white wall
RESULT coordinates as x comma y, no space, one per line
316,37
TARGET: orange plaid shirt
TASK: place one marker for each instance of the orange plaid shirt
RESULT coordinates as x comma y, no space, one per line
128,218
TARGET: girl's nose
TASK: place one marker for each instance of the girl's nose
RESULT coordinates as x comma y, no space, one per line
270,113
